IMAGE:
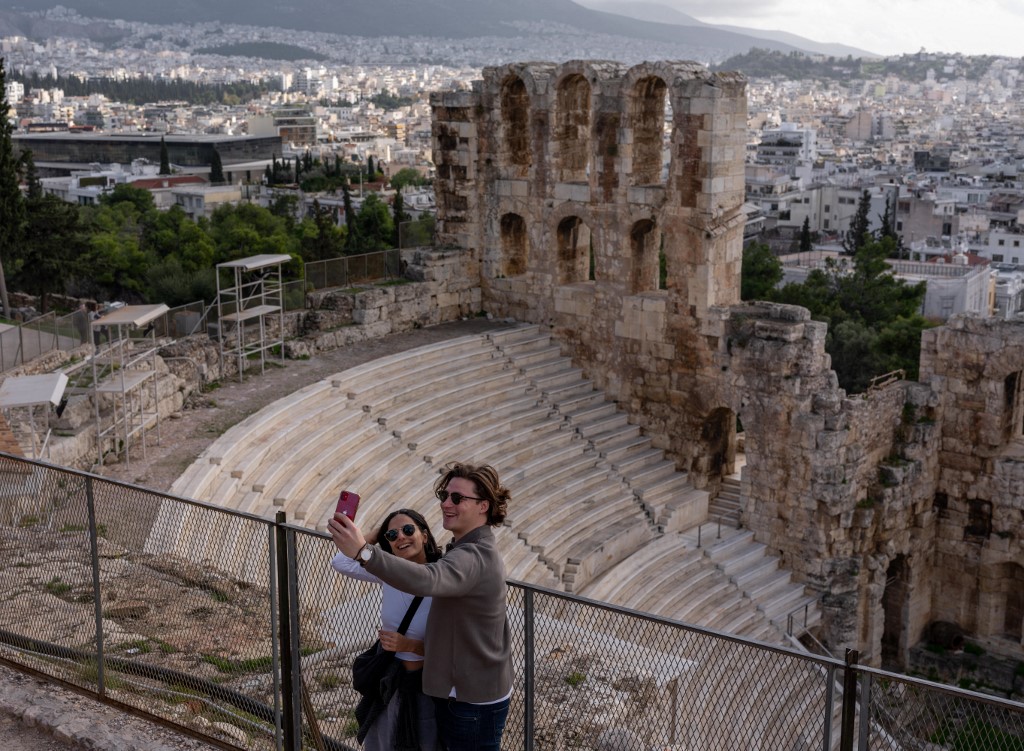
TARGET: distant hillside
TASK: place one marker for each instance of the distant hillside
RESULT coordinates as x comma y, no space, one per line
438,18
762,63
658,13
264,50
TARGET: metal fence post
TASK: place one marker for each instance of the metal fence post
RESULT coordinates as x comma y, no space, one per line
849,701
528,670
291,720
275,624
97,600
865,711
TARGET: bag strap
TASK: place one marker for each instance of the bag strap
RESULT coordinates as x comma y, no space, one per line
413,606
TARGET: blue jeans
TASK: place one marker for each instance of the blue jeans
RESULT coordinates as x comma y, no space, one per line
470,727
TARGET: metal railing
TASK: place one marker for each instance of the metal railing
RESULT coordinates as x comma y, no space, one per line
233,627
348,270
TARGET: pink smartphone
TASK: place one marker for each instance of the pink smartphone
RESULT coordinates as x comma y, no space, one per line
348,502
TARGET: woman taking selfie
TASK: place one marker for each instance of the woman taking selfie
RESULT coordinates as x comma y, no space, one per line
401,717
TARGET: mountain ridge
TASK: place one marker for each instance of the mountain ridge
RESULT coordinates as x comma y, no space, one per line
453,19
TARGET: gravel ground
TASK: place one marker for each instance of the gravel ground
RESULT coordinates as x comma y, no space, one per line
40,716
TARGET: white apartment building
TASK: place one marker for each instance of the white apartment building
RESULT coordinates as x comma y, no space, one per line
787,146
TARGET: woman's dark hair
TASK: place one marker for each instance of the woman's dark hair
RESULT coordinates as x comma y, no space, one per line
488,487
431,547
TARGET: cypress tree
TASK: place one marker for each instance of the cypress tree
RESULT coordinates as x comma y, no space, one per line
165,160
12,204
216,168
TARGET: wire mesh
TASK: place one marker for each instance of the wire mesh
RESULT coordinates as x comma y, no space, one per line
171,607
152,602
911,714
608,678
339,618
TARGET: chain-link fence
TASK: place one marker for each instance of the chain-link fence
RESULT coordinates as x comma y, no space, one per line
235,627
358,269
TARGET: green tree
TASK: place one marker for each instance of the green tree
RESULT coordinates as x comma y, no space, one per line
165,160
352,242
406,176
321,237
399,216
53,246
859,233
760,272
873,317
216,168
806,245
371,172
374,225
12,204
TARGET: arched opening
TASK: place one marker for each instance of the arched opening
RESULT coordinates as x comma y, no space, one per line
514,253
894,603
1013,614
575,251
572,129
717,458
644,252
515,116
1013,406
647,119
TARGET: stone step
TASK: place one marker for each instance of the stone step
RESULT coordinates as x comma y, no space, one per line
612,451
739,558
640,460
561,378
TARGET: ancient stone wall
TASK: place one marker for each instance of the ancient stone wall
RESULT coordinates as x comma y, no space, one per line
976,369
552,175
566,182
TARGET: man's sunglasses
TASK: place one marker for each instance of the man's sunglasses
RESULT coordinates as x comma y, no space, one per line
456,498
407,529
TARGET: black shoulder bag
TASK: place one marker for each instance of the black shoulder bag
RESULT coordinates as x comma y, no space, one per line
370,666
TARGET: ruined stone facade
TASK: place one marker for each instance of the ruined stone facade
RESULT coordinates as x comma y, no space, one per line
901,506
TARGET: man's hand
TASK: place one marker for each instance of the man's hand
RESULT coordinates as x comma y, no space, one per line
346,535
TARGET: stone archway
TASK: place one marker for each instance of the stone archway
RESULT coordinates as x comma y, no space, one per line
717,457
575,251
572,129
515,117
647,119
643,244
894,608
1013,605
514,245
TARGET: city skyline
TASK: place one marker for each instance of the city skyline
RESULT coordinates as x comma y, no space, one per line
886,27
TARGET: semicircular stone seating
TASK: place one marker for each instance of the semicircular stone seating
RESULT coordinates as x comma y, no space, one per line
596,509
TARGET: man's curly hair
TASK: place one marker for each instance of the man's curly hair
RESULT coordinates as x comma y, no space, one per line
488,487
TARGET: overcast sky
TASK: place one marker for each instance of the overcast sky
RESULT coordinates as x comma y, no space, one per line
887,27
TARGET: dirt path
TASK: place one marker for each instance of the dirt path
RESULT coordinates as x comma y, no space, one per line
207,416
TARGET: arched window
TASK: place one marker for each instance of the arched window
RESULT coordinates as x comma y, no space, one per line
647,119
515,117
644,254
572,129
514,254
575,255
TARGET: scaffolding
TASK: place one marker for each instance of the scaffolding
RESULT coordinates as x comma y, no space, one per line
124,371
254,294
29,392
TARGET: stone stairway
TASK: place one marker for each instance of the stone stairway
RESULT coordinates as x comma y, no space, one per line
594,502
725,506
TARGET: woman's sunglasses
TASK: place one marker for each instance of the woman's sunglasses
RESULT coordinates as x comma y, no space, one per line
407,529
456,498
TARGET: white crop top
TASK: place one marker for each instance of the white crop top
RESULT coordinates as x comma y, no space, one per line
394,605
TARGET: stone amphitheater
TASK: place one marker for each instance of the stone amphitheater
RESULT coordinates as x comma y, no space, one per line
597,509
638,402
